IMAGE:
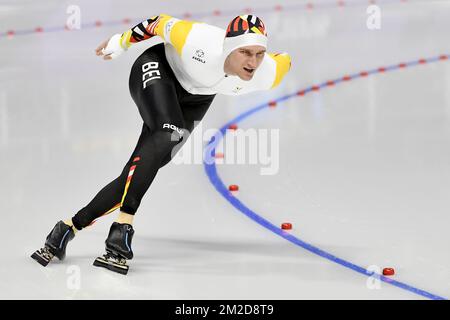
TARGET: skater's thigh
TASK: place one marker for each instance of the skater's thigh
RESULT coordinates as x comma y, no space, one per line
195,109
153,90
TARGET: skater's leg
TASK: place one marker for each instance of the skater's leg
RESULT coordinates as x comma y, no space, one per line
111,194
118,244
106,201
109,198
141,175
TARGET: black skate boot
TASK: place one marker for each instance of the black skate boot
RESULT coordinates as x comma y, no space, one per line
55,244
118,248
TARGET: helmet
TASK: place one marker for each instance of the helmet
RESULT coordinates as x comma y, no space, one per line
246,30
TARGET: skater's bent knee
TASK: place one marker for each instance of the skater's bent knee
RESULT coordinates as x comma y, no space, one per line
170,132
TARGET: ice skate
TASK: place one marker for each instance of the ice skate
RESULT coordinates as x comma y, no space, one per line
118,248
55,244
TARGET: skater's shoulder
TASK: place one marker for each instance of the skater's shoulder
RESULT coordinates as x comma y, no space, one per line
281,58
282,65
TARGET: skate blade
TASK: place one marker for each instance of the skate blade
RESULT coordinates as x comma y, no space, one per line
40,259
111,265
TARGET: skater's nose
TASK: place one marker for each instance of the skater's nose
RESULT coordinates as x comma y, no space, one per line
251,62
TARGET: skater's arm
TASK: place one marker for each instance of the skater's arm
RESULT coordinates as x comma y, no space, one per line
170,29
145,30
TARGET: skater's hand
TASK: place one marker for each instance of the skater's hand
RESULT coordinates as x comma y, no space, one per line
110,48
100,49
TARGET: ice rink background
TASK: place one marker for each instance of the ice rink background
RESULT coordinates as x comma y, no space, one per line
363,173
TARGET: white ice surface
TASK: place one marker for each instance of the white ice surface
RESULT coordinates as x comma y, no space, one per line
364,166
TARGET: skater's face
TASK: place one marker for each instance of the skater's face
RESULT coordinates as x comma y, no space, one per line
244,61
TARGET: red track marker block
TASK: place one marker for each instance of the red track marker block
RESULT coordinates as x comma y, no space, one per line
233,187
286,226
272,104
388,271
232,126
